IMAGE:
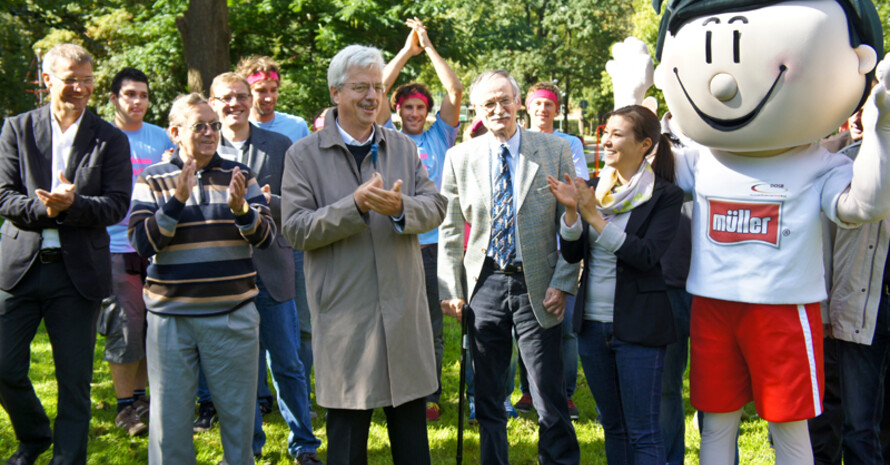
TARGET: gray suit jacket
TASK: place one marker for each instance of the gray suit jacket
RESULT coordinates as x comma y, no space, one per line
100,169
275,264
466,183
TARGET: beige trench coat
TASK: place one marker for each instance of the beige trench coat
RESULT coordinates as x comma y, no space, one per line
371,333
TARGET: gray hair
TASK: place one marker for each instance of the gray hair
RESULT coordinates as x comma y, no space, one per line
72,52
486,75
181,104
353,55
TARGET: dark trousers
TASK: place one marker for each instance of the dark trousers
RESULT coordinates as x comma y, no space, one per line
500,305
863,369
406,424
46,292
825,430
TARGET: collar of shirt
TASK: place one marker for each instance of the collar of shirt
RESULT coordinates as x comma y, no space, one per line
349,140
494,145
62,143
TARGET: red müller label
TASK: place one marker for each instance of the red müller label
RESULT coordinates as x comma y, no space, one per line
737,222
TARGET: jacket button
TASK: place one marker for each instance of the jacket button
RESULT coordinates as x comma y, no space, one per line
856,331
863,290
871,246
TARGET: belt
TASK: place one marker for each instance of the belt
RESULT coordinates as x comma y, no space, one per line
513,268
50,255
424,246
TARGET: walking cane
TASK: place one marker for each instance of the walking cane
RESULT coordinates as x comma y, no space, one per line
464,346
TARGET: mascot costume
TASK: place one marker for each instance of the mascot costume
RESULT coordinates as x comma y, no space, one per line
757,83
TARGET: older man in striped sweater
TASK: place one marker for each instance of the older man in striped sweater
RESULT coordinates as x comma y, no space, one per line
197,217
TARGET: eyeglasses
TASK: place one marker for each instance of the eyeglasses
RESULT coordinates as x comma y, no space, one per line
362,87
228,98
84,81
491,106
200,128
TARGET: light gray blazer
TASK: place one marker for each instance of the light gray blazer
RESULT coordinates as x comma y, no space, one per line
466,183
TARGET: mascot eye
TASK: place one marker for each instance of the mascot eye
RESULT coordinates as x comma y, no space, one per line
708,47
736,38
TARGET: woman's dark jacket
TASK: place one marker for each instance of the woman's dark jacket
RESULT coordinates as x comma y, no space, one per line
642,313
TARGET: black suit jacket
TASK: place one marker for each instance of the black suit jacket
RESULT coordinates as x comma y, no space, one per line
642,312
101,171
274,264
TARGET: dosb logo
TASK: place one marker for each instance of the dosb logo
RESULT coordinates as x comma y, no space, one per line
739,222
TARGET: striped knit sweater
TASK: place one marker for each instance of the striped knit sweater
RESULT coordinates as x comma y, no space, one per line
201,261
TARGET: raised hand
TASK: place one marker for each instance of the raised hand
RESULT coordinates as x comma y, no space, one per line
631,70
186,181
237,189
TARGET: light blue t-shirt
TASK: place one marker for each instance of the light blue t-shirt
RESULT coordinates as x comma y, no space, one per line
578,157
291,126
431,147
147,146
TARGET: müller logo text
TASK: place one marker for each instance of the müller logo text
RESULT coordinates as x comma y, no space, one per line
738,222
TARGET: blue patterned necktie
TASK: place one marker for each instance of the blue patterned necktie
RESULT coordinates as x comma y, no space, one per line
501,247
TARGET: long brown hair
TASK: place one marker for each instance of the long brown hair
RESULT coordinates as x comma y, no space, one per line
645,125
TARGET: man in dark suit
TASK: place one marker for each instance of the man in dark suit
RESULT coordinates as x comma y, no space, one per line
511,272
263,151
55,263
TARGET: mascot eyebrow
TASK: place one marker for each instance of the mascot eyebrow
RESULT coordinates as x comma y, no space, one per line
736,38
863,22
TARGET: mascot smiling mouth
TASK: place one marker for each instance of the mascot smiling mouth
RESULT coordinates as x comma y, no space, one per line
727,125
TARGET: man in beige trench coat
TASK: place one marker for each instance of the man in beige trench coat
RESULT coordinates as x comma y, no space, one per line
354,198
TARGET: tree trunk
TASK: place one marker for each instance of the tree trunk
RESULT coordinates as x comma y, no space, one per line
205,38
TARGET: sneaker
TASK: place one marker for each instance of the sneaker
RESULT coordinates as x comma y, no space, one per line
128,420
432,411
308,458
508,407
206,417
142,406
472,418
573,411
525,404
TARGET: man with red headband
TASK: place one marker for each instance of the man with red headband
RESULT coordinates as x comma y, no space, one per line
264,76
542,105
413,102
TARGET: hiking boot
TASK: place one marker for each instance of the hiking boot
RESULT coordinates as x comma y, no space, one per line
573,411
142,406
525,404
308,458
432,411
128,420
508,408
206,417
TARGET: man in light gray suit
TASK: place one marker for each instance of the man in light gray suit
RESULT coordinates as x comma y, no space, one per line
511,271
263,151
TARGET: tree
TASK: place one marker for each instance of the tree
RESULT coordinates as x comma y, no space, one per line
205,36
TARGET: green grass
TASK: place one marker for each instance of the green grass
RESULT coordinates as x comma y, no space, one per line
110,446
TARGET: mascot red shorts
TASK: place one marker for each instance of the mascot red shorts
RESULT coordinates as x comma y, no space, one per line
771,354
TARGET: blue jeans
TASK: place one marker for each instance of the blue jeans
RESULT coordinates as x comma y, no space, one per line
862,371
304,329
625,380
277,323
569,353
673,415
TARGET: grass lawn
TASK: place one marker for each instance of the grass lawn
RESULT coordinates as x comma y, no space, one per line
108,445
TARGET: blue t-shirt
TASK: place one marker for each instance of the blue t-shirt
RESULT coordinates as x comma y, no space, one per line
291,126
147,146
578,156
431,147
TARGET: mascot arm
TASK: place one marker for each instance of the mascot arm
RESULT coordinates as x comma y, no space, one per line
868,198
631,71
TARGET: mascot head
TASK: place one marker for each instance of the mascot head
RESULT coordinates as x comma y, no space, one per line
755,76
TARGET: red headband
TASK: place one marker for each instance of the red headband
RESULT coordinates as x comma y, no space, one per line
414,94
260,75
541,93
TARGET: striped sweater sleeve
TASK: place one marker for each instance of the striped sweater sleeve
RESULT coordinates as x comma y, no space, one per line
153,226
257,226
